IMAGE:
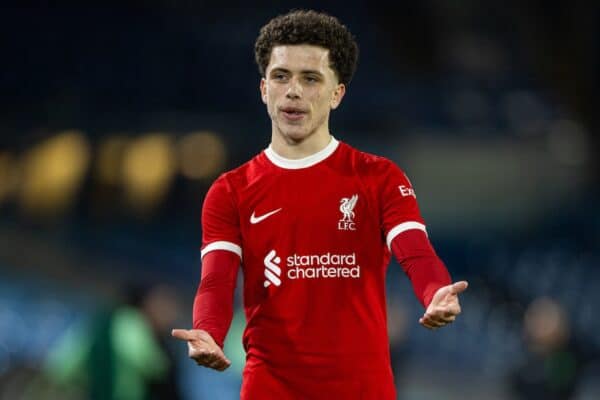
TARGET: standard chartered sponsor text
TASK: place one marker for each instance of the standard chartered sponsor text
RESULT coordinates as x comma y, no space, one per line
322,266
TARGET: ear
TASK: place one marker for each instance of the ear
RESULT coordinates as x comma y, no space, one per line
263,90
338,95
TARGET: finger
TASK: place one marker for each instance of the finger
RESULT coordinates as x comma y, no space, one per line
219,355
444,313
435,323
459,287
449,320
182,334
205,337
213,360
205,360
451,312
206,356
434,320
444,317
219,363
424,323
197,348
224,367
427,323
201,355
436,316
428,326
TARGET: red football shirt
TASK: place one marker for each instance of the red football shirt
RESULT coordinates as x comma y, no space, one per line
313,236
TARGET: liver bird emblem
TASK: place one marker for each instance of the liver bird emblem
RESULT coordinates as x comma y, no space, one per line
347,205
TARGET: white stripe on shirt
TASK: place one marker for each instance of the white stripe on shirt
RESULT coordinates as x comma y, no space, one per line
222,245
405,226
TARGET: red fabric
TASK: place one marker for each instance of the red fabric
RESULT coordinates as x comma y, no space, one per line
220,219
313,243
421,264
398,201
213,305
263,382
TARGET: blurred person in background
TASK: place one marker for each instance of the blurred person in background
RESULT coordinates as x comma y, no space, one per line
121,354
161,307
552,370
314,222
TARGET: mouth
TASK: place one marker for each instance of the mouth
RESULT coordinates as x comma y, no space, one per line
293,113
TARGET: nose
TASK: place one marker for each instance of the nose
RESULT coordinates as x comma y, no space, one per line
294,90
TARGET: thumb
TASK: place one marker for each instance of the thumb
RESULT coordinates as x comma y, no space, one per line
182,334
459,287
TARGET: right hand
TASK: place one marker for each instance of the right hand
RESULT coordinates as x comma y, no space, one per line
202,348
444,307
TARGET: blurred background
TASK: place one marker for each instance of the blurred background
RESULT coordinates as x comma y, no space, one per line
116,117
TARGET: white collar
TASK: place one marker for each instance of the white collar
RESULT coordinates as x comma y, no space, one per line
305,162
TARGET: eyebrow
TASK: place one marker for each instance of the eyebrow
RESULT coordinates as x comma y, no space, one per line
304,71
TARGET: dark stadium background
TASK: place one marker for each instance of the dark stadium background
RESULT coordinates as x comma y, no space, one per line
115,118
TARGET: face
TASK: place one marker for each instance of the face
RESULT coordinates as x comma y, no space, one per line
300,89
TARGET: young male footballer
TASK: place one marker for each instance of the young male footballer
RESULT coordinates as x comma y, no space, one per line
313,223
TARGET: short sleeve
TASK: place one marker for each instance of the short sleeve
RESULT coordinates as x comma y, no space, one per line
220,221
400,211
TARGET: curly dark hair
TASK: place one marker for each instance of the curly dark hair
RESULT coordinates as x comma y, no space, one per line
313,28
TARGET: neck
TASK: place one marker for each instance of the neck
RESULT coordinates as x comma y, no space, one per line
289,148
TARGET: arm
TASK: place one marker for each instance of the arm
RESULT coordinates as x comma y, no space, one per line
429,277
406,237
221,255
213,310
213,304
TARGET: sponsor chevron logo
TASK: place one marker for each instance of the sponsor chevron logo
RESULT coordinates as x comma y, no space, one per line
272,270
310,266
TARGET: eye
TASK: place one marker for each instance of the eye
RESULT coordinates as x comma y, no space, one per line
278,76
311,79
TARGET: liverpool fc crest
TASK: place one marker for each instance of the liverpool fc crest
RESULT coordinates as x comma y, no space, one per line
347,205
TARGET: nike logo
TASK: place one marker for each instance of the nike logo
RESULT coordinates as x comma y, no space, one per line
255,220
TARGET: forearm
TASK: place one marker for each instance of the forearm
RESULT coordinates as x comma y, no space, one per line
213,304
421,264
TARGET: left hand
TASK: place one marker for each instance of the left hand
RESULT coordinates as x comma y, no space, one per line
202,348
444,306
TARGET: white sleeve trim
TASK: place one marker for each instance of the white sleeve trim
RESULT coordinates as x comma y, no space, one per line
405,226
221,245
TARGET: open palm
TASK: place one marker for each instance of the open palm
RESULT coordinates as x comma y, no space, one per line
444,307
202,348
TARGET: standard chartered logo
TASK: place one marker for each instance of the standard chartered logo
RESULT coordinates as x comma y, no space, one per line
272,270
311,266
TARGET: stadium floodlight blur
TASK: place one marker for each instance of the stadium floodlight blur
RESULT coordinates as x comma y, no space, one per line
109,160
202,155
148,170
52,174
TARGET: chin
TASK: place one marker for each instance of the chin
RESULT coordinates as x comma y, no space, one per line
296,135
